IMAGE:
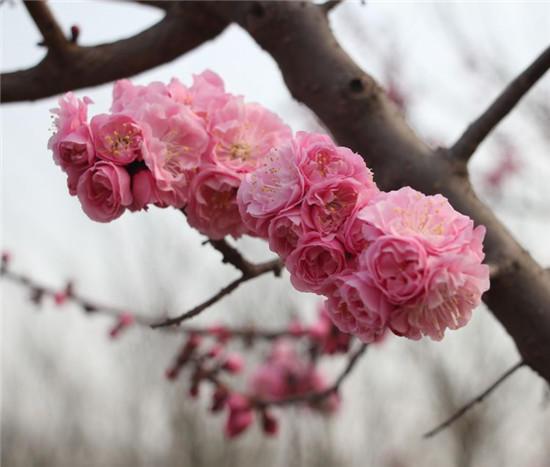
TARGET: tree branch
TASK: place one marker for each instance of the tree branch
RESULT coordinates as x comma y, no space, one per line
185,26
353,106
252,271
459,413
466,145
52,33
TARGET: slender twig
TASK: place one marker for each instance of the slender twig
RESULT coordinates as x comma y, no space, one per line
51,31
465,408
245,333
329,5
317,396
478,130
252,271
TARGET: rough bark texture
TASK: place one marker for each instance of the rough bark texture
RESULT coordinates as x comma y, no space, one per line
351,104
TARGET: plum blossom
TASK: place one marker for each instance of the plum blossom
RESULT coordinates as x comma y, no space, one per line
117,138
212,208
285,231
104,191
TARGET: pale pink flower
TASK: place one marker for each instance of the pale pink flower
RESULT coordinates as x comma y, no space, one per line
136,100
117,138
75,154
71,114
454,288
430,219
351,234
285,373
144,190
328,204
273,188
243,134
285,231
358,307
212,208
104,191
329,338
207,93
398,266
320,159
315,262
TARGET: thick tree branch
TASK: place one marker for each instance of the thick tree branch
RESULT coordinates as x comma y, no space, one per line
473,136
459,413
355,108
185,26
52,33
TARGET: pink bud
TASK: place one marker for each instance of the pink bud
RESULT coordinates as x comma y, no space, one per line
270,425
219,399
233,363
60,298
220,332
171,373
75,32
124,320
296,328
214,351
240,415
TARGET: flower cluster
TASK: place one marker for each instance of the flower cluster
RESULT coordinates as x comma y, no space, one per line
401,260
167,145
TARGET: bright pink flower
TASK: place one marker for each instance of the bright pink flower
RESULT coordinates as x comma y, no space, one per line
240,415
276,186
104,191
320,159
453,290
117,138
212,207
233,363
398,266
315,262
430,219
327,205
351,233
285,231
357,307
144,190
243,134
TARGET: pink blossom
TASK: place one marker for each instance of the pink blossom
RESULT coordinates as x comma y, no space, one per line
104,191
75,154
328,204
357,307
320,159
330,339
240,415
207,94
430,219
70,116
275,187
398,266
315,262
351,234
117,138
136,101
243,134
453,290
144,190
285,231
212,207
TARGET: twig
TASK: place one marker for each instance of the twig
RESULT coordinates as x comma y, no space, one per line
89,306
459,413
315,397
466,145
249,272
181,30
52,33
329,5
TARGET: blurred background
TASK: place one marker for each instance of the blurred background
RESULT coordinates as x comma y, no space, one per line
72,397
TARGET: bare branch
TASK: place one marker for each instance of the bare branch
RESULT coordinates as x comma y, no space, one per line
184,27
459,413
477,131
52,33
252,271
40,290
